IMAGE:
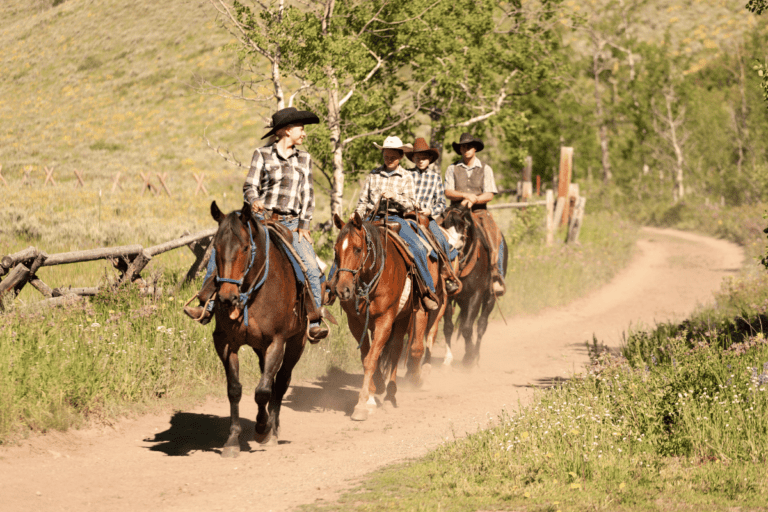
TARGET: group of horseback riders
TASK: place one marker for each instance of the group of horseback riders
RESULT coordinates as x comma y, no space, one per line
279,188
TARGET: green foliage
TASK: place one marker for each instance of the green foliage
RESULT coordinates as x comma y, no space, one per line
102,145
757,6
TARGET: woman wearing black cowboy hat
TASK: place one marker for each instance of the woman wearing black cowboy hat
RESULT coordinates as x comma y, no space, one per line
279,185
471,184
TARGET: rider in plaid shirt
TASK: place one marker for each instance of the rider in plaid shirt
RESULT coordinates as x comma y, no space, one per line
430,197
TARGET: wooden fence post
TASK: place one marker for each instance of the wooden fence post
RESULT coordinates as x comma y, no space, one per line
564,180
15,281
162,178
49,176
116,183
1,176
570,203
578,217
527,190
134,269
538,185
200,186
147,185
550,217
79,177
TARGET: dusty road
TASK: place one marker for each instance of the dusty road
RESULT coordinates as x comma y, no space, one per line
170,461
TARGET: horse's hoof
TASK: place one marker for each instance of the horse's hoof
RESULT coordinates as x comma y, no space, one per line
426,370
230,452
264,438
360,414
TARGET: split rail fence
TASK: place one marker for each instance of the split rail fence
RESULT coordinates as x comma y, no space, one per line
20,268
567,209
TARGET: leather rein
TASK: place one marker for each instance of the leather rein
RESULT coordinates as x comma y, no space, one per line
245,296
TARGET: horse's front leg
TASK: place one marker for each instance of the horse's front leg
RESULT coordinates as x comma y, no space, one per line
448,331
273,359
482,322
234,392
293,350
381,332
467,317
418,330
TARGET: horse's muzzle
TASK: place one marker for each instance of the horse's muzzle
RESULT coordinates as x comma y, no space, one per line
344,292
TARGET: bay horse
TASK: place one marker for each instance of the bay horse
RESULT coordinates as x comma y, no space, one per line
257,304
476,297
376,292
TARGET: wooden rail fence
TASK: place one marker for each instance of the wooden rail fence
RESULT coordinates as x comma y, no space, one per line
20,268
565,210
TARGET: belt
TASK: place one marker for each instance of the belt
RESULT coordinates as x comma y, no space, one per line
278,217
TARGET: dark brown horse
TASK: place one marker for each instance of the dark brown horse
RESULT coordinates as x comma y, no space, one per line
257,304
375,289
476,297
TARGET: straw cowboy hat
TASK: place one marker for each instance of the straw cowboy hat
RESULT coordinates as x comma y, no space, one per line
393,143
467,138
289,116
421,146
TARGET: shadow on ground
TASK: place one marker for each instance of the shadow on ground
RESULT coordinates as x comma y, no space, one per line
191,432
336,391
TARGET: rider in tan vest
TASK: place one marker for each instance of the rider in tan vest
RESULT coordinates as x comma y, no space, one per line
471,184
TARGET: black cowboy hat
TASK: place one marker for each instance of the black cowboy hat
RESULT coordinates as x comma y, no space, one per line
289,116
467,138
421,146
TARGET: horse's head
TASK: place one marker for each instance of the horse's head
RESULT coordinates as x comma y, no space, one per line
351,251
232,243
457,221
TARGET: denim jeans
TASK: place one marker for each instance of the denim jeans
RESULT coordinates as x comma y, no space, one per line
501,257
305,251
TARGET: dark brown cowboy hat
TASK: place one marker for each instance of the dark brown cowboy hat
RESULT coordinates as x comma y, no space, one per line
467,138
289,116
421,146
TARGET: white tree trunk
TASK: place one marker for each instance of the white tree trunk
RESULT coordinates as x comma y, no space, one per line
334,125
599,115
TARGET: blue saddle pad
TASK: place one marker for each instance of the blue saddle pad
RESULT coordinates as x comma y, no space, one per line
295,264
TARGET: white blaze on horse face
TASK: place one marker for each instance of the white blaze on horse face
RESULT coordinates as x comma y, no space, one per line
345,244
454,238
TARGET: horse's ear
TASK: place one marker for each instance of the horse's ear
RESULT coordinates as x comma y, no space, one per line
245,213
357,221
217,214
337,221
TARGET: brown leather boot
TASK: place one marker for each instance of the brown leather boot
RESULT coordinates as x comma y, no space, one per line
203,312
317,333
498,286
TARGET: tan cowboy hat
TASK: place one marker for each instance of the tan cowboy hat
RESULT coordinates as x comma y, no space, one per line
289,116
421,146
467,138
393,143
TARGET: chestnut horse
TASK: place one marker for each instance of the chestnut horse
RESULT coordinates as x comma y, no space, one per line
375,290
257,304
476,297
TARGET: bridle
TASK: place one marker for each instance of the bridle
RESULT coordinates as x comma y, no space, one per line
363,289
245,296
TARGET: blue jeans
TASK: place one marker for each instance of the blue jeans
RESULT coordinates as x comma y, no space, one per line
501,258
441,240
418,250
305,251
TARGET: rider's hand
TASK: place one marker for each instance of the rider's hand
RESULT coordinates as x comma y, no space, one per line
257,206
426,211
305,234
388,195
466,203
472,198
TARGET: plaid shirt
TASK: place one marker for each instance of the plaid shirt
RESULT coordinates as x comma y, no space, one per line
284,184
399,182
430,193
489,184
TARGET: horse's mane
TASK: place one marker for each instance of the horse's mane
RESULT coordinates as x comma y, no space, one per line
376,238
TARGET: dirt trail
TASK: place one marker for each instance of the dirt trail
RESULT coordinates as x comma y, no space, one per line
170,461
